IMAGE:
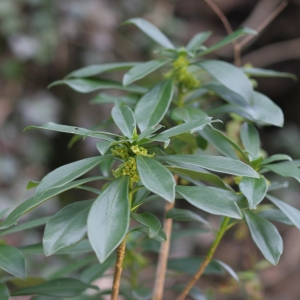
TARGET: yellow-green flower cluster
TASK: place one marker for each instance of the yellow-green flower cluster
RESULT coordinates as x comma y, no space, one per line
141,151
182,75
128,168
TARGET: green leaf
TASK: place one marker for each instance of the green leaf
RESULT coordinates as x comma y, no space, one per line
67,227
202,175
254,189
4,292
229,270
256,72
25,226
149,220
156,178
33,202
103,98
275,157
152,31
285,169
214,163
219,141
229,76
60,287
291,213
262,110
185,215
229,39
98,69
250,139
265,236
91,85
95,271
147,133
142,70
153,106
124,118
190,265
32,184
73,130
201,197
187,114
12,261
103,146
185,127
73,267
275,215
108,219
160,237
197,40
265,111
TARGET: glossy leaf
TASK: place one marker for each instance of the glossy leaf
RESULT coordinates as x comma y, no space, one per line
124,118
12,261
276,157
160,237
291,212
60,287
229,39
219,141
25,226
265,111
156,178
214,163
67,227
190,265
202,175
102,68
265,236
33,202
152,31
285,169
95,271
149,220
254,190
250,139
185,215
256,72
4,292
187,114
223,202
229,76
92,85
153,106
147,133
197,40
275,215
142,70
185,127
72,130
108,219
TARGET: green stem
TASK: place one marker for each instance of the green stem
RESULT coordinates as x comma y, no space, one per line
207,260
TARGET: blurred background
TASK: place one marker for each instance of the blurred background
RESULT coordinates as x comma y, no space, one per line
43,40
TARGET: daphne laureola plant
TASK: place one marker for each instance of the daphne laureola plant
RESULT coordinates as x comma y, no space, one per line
158,154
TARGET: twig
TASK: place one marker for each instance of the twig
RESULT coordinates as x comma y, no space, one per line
274,53
207,260
118,270
265,23
224,20
163,255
